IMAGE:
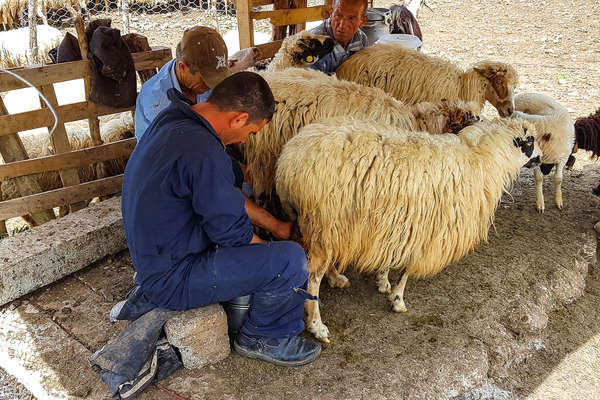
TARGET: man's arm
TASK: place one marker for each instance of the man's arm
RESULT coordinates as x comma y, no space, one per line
263,219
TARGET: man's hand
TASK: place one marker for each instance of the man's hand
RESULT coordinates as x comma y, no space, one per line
243,59
283,231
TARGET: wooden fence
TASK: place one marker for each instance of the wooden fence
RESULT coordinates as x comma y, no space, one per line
279,17
39,205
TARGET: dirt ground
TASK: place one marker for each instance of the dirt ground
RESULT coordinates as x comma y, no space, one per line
500,323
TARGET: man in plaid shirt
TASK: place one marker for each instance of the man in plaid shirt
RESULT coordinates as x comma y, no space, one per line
344,23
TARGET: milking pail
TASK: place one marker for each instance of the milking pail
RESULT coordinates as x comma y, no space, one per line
378,23
236,310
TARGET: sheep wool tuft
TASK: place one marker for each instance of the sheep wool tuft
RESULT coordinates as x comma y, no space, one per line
413,77
378,197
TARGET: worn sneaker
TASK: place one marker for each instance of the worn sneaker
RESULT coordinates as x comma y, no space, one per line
288,352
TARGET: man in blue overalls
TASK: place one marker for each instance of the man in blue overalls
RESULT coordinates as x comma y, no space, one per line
189,236
343,25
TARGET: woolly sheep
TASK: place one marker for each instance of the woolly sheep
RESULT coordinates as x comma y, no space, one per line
303,96
556,136
14,45
12,11
413,77
300,50
378,197
587,133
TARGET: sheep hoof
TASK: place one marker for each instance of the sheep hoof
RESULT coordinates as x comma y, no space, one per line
320,330
559,206
540,209
384,287
399,308
339,281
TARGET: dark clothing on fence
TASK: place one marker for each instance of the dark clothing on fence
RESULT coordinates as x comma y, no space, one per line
189,234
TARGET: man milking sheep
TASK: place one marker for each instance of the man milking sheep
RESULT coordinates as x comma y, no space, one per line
189,235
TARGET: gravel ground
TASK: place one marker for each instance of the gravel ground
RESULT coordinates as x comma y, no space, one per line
10,389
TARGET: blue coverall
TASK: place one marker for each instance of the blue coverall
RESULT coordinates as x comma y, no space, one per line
188,232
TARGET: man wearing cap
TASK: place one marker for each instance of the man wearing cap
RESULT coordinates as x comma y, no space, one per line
189,236
343,25
200,64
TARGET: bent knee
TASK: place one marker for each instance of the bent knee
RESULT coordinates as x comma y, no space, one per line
293,259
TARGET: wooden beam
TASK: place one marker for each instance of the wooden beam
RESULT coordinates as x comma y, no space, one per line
268,50
258,3
12,150
63,196
73,159
292,16
13,123
39,76
60,143
155,58
243,10
43,75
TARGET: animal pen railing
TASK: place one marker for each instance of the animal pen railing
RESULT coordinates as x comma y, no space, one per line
73,193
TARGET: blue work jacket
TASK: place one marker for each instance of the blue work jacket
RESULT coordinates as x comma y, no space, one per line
179,200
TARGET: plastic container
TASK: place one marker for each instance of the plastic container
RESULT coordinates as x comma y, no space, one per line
378,23
410,41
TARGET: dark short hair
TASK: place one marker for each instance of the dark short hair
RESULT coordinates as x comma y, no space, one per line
245,92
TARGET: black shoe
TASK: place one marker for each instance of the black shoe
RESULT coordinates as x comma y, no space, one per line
288,352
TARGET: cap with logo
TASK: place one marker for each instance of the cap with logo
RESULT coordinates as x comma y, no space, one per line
205,48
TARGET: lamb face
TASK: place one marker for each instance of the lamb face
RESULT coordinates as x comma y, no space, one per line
502,79
530,151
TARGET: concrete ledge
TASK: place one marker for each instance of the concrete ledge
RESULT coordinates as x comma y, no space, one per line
200,335
54,250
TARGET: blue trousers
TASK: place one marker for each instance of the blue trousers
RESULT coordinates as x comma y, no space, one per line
274,273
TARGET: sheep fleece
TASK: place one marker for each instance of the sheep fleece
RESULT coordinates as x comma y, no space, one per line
376,197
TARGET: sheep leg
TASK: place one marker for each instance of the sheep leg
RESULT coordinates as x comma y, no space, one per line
383,283
336,279
313,313
539,180
397,295
558,178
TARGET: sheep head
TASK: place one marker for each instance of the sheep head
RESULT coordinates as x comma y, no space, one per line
309,48
502,79
445,116
524,140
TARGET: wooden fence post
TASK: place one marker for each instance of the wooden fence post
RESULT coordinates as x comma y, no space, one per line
12,149
32,8
245,23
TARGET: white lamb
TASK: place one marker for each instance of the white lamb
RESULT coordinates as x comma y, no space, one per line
556,135
377,197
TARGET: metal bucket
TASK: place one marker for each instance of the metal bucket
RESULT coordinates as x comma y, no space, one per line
236,310
378,23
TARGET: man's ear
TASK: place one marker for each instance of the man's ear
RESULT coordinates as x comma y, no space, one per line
181,65
364,20
238,120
